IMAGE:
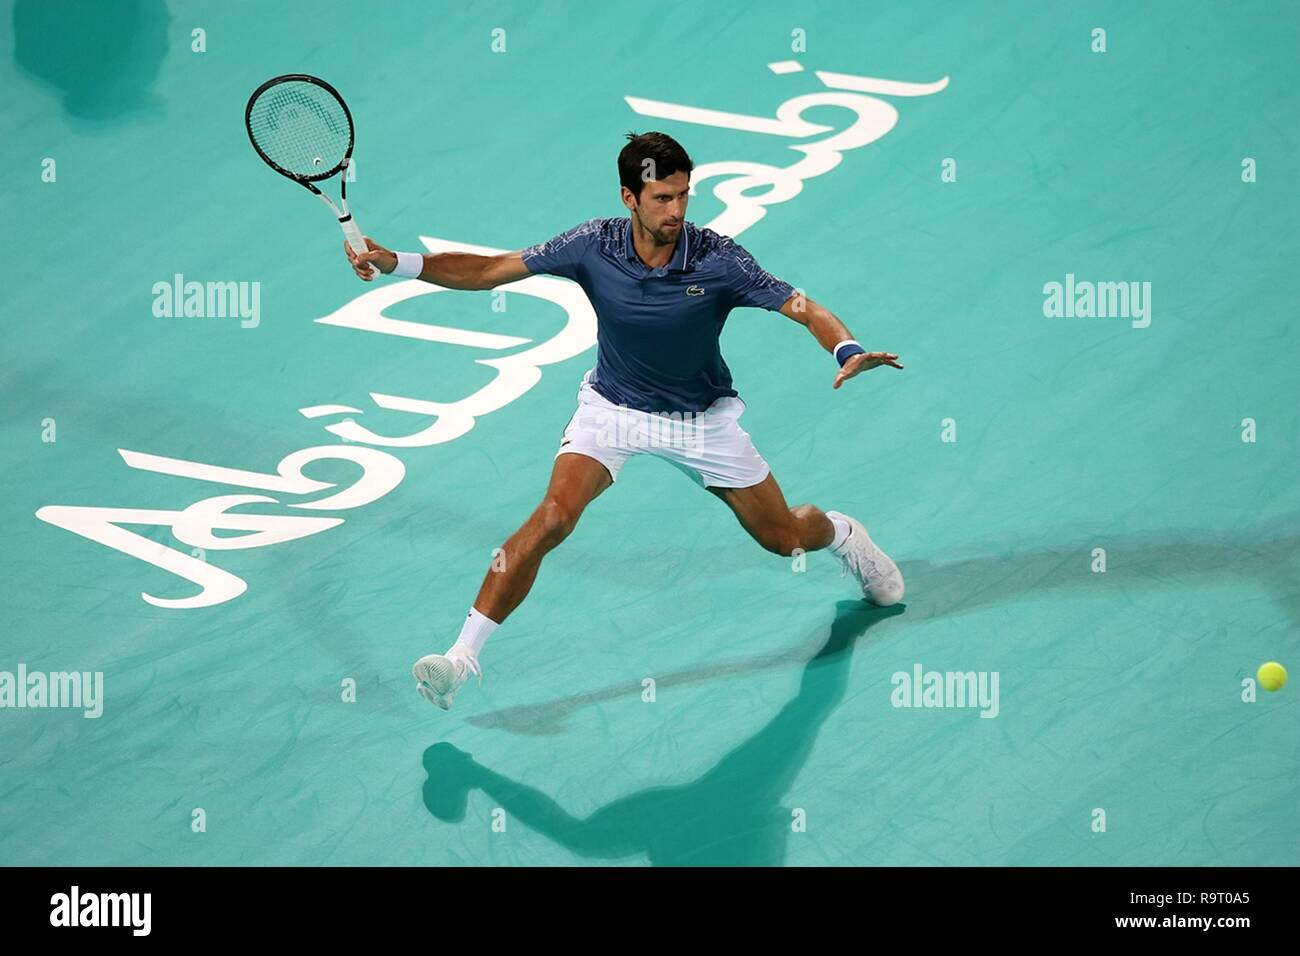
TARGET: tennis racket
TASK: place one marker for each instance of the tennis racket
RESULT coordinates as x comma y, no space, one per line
301,127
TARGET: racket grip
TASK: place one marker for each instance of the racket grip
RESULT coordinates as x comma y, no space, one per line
352,233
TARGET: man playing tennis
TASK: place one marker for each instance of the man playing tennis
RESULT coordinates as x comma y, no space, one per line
661,288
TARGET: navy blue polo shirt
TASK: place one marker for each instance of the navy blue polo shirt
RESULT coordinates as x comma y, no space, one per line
657,329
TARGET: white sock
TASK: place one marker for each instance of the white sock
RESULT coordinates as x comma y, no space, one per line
842,531
473,635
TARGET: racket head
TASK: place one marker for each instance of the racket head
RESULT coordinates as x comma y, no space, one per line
300,126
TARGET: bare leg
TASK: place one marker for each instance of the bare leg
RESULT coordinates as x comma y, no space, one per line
780,529
576,481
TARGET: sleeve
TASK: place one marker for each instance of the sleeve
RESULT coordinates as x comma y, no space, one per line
561,255
751,285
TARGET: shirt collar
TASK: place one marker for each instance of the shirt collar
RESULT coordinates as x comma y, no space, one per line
676,264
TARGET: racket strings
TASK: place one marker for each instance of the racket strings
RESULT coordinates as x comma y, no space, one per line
302,128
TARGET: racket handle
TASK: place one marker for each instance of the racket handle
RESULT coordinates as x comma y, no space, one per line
358,242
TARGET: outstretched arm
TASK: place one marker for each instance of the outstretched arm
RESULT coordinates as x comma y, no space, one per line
830,332
452,270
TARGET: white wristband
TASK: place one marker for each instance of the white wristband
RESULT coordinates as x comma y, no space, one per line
409,265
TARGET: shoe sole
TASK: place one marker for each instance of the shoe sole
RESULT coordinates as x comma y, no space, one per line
424,685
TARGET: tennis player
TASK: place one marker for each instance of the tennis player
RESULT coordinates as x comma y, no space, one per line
661,288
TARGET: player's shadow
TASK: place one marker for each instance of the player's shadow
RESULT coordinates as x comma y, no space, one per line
730,816
103,58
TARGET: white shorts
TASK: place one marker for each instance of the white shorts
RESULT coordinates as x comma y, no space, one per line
710,447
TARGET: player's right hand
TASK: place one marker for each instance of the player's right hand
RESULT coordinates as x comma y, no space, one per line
382,259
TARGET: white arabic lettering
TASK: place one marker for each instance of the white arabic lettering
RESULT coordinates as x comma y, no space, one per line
516,373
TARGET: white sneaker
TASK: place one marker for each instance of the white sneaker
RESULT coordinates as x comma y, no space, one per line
882,582
438,677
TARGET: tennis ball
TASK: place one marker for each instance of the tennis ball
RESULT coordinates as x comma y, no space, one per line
1271,676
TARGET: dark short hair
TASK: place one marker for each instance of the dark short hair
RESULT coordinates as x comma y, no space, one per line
666,152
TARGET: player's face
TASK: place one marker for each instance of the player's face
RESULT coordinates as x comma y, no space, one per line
662,207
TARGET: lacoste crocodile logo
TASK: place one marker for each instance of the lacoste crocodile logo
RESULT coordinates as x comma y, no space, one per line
695,290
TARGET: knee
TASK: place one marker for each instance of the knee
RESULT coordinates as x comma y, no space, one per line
555,521
804,512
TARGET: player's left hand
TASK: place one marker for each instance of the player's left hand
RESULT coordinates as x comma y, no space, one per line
863,361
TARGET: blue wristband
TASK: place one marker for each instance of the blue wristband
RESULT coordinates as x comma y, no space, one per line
846,350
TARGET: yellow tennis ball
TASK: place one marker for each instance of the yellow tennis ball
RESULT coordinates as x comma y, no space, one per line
1271,676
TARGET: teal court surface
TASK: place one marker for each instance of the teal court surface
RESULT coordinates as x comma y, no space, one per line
1081,244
